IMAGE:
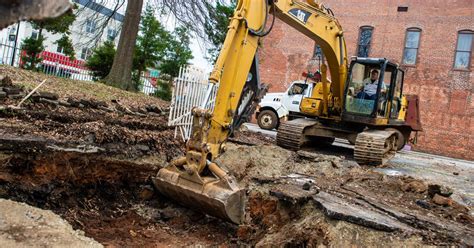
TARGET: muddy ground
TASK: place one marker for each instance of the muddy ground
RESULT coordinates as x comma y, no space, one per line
91,162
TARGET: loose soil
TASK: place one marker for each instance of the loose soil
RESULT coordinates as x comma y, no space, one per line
93,167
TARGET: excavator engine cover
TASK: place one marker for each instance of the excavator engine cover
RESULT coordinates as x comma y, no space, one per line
220,197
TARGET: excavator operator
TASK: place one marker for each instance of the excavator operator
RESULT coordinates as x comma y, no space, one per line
370,86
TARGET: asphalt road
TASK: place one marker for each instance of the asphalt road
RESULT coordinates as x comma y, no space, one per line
455,173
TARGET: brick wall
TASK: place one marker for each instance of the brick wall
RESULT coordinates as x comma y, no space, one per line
447,105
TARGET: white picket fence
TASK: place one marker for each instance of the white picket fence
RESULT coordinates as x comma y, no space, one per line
191,89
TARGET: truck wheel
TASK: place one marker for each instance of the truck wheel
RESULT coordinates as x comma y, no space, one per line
267,120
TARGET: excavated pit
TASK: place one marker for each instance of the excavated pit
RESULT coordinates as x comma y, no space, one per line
90,161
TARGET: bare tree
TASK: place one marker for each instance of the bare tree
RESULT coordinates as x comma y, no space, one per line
101,21
121,73
192,14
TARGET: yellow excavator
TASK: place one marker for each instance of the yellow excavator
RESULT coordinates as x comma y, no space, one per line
354,104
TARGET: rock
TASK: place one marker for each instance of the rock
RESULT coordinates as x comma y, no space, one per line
12,90
243,128
294,193
15,96
423,204
168,214
143,148
92,103
154,109
3,95
73,102
65,104
146,193
442,190
441,200
244,232
142,111
48,95
6,81
415,186
48,101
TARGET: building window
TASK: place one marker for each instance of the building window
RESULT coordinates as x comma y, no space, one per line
85,53
365,36
60,49
412,43
462,59
90,26
34,34
111,34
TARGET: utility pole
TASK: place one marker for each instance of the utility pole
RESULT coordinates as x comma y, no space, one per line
14,46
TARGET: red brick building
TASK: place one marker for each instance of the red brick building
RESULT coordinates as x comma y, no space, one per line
423,36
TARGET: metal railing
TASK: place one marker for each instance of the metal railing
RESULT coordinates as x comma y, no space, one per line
190,89
9,55
60,65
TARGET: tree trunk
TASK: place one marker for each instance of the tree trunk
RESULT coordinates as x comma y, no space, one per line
121,73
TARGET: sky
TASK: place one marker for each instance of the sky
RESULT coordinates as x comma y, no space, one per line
198,54
198,49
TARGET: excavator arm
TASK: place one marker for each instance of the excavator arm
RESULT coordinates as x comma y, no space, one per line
195,179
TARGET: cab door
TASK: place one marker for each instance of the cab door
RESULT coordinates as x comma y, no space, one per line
294,96
396,90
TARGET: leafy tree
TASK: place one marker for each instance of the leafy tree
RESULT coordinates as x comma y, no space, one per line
101,60
32,48
152,42
66,43
215,28
177,53
59,25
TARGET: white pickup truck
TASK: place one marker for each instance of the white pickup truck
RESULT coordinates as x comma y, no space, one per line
276,107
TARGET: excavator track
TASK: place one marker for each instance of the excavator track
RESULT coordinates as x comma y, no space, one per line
290,133
375,147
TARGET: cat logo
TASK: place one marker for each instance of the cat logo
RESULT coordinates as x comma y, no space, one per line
301,15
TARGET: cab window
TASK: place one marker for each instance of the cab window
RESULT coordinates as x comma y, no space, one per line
297,89
362,88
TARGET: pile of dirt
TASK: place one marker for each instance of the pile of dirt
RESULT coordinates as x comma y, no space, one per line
311,199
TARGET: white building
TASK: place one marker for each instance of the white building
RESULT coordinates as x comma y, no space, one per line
96,22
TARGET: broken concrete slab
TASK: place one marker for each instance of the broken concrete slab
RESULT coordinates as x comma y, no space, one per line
340,209
294,193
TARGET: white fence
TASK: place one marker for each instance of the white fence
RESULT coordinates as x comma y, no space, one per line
190,89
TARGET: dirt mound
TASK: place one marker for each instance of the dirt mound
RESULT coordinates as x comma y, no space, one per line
67,88
310,199
25,226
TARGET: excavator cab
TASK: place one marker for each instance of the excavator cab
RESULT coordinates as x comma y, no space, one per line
373,91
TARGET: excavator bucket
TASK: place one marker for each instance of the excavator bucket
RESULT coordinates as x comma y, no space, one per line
219,196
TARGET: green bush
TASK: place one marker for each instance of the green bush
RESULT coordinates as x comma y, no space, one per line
32,48
101,60
164,87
